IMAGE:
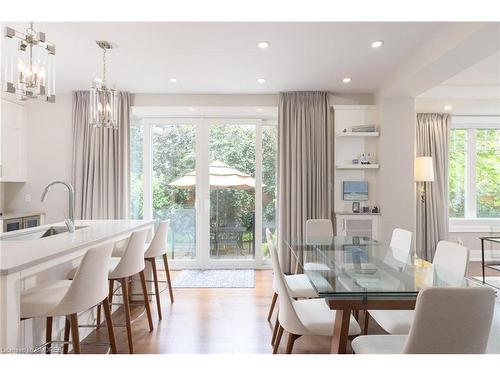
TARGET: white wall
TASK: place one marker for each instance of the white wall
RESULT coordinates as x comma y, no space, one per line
49,140
396,150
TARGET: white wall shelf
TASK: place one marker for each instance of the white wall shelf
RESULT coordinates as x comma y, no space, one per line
357,166
358,134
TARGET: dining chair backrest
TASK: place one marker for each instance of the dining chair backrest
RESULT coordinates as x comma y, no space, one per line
286,315
401,239
158,245
89,286
132,261
319,228
451,258
451,321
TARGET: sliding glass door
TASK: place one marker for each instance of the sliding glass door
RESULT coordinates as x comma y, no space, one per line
205,176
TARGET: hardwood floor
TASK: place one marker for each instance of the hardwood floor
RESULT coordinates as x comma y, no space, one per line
217,321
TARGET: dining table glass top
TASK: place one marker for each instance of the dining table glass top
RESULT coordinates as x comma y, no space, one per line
340,267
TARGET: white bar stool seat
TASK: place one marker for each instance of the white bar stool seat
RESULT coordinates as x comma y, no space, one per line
70,297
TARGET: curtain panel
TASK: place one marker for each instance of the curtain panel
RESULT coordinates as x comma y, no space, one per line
432,214
305,165
100,162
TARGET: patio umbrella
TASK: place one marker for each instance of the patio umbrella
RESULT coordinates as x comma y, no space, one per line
220,176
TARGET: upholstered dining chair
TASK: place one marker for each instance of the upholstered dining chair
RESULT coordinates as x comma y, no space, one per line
447,321
400,246
306,317
450,260
317,230
298,285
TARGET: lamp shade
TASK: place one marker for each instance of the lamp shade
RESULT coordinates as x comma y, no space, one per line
424,169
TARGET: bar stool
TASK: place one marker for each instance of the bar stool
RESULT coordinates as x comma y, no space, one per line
122,269
70,297
157,248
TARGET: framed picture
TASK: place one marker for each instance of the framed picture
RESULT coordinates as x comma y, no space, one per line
355,207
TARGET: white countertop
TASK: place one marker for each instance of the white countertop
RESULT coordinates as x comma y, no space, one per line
16,256
16,215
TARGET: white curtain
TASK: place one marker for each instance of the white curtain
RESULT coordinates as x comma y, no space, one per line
100,162
305,165
432,214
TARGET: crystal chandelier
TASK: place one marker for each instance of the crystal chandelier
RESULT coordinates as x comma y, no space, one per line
28,65
103,99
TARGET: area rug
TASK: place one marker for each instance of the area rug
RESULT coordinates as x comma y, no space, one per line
215,279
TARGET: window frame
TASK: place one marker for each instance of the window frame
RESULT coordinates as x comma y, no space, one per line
470,222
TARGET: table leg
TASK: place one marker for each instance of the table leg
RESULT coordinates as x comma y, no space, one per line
340,331
482,258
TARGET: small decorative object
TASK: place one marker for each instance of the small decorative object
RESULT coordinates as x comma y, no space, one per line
366,209
363,128
365,158
355,207
375,210
344,131
355,161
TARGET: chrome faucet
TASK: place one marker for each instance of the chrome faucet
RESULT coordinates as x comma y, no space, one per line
70,221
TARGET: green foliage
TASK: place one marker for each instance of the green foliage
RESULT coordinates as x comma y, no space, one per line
174,156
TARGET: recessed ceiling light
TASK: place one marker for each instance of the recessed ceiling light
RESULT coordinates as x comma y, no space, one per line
191,109
263,44
448,107
259,110
377,44
261,80
173,80
346,79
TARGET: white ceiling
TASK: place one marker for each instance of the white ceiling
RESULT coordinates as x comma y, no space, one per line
224,58
475,90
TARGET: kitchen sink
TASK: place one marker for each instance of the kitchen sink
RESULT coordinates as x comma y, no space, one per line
37,234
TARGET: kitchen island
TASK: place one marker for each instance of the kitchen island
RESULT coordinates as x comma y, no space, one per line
31,256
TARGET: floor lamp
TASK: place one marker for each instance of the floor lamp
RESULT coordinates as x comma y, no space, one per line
424,173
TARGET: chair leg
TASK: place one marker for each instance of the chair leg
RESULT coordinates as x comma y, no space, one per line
278,339
48,334
75,337
98,317
109,324
167,271
66,335
273,303
157,288
126,304
275,331
365,325
291,340
146,300
111,288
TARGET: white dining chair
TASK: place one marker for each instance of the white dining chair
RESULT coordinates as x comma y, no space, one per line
306,317
298,285
316,231
400,247
450,260
158,248
68,298
447,321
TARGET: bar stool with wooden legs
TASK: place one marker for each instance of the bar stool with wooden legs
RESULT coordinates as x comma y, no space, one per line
130,264
69,297
157,248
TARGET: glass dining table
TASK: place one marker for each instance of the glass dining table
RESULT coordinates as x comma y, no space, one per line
358,273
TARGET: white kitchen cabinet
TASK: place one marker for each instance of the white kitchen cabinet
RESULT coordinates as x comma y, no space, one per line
361,225
13,158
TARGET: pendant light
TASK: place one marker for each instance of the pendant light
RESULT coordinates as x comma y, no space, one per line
103,99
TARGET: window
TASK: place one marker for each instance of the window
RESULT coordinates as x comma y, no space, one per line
474,170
